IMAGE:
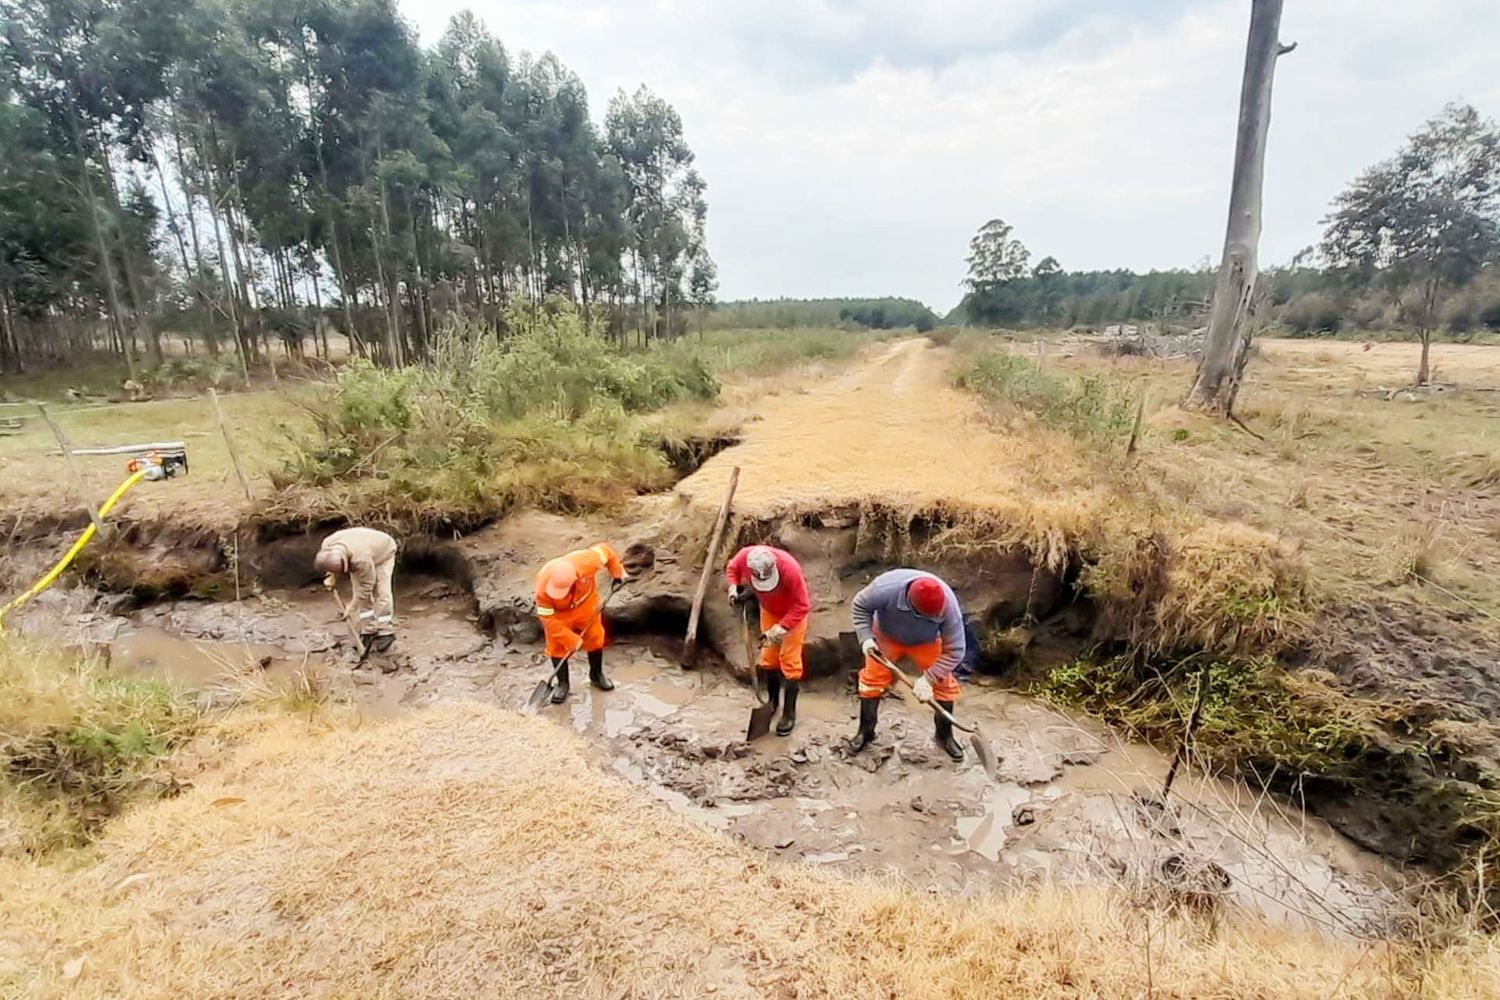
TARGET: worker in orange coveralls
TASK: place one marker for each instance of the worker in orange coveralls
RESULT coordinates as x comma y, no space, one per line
776,581
911,616
569,606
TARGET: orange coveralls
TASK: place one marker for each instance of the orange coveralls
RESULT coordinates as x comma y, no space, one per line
875,677
576,617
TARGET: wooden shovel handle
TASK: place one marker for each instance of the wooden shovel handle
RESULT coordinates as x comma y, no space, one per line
752,659
880,658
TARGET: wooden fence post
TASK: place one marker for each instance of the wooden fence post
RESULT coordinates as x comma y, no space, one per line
690,645
78,483
234,456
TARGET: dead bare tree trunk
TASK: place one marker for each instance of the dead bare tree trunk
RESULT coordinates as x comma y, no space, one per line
1226,348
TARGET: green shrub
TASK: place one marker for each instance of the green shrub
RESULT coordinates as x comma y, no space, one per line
1312,314
1088,406
1489,314
540,417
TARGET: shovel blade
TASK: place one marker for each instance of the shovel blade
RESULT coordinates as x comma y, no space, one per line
985,753
538,697
760,721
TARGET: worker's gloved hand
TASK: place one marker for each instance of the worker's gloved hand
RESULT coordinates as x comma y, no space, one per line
773,636
617,584
922,688
735,596
870,647
328,581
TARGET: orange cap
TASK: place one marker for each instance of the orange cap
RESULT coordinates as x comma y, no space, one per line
559,575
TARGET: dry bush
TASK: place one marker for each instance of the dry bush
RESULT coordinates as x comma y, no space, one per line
433,857
1417,552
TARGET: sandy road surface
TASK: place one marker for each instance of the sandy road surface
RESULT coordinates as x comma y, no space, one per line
893,428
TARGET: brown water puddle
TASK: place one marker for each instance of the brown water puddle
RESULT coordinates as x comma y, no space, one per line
159,653
1067,803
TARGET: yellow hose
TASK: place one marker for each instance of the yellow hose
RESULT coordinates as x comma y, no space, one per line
78,546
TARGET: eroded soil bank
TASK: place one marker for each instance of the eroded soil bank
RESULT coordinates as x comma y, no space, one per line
1071,802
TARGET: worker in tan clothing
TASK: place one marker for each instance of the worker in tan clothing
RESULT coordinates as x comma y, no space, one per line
368,557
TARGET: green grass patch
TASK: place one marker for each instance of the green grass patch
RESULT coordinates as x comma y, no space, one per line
1257,717
1295,731
767,352
1085,405
78,744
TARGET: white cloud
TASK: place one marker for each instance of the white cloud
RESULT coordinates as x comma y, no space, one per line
854,147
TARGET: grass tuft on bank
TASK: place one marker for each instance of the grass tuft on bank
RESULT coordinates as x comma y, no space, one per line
78,744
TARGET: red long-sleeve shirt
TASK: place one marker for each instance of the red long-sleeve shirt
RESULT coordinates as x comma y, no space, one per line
789,602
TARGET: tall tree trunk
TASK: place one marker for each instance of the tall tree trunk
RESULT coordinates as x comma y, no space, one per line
138,304
96,229
210,337
10,351
236,319
1226,348
166,201
1424,329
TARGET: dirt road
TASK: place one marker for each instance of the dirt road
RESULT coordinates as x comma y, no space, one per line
891,429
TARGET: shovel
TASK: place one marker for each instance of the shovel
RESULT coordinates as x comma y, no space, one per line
359,642
981,745
765,709
543,690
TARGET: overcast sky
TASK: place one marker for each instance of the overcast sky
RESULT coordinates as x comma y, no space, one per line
852,147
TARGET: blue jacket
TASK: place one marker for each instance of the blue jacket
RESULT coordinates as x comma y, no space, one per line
883,604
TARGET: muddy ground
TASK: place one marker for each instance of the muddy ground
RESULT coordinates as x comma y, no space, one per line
1070,802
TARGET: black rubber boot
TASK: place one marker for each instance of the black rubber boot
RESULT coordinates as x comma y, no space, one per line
942,732
771,681
869,712
596,672
560,691
788,711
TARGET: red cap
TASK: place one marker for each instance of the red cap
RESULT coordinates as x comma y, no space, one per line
926,597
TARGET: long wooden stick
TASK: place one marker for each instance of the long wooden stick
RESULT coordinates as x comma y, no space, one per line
78,483
234,456
690,644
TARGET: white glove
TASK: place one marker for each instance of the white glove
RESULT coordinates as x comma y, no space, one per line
870,647
773,636
328,581
922,688
734,595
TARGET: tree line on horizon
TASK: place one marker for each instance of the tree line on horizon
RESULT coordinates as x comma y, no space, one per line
244,171
1413,243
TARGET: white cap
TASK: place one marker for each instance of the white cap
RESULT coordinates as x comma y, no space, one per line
764,573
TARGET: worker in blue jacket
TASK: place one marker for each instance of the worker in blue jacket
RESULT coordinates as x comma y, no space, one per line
912,616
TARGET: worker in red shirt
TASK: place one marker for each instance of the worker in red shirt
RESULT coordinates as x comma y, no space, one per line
773,577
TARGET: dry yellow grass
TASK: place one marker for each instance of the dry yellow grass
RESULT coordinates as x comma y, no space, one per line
1382,495
464,851
893,434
